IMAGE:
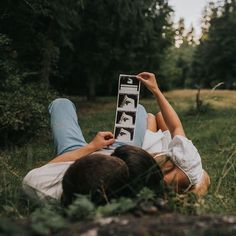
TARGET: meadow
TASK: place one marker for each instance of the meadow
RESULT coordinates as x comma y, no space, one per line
212,129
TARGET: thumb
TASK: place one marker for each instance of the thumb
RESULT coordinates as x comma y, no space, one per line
110,141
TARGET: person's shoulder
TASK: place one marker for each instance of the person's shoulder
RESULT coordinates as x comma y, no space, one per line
203,185
45,181
49,170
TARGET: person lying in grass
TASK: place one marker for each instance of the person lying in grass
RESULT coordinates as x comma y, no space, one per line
106,168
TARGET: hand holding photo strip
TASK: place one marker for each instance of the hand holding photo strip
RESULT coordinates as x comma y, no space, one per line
126,111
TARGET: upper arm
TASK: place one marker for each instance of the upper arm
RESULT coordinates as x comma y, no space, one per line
45,181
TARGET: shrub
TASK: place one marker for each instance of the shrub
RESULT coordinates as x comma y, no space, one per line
23,111
22,105
46,221
81,208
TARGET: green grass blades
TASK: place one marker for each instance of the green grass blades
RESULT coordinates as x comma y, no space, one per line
212,131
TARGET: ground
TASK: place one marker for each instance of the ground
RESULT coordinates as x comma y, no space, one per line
212,129
166,224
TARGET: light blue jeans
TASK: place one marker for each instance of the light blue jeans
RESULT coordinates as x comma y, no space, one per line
66,131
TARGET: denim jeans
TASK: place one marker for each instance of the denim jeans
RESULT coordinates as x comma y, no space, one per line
66,131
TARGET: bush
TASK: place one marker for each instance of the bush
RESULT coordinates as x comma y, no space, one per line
23,106
23,111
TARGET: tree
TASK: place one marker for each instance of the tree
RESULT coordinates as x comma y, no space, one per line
175,69
81,46
214,60
39,29
118,36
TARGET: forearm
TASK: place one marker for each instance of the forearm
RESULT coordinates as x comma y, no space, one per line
101,140
170,116
75,154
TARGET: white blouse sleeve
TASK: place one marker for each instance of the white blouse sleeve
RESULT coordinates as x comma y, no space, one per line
185,155
156,142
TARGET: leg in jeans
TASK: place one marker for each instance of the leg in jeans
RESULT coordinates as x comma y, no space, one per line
140,126
67,134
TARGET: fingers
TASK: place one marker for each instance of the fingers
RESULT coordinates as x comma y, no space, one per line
106,135
145,75
140,78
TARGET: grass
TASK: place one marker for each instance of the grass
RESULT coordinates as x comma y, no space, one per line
213,132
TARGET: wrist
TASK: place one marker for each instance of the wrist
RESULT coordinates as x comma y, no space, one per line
92,147
156,91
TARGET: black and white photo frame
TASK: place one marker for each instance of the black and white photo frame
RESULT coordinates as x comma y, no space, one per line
126,111
124,134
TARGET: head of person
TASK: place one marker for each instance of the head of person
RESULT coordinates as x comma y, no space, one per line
101,176
143,170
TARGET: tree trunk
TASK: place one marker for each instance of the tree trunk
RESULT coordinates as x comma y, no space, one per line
198,100
46,62
48,52
91,87
109,86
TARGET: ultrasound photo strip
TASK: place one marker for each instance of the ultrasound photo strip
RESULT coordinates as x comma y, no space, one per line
126,111
129,84
126,119
124,134
127,101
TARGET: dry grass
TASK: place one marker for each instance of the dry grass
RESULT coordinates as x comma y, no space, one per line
217,98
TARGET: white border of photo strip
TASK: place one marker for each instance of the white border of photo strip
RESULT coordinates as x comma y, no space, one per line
130,95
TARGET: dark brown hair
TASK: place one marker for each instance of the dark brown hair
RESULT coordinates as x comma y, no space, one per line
101,176
143,170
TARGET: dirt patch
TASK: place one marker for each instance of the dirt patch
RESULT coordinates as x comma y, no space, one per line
166,224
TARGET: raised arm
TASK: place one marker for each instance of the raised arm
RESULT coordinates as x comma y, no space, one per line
101,140
170,116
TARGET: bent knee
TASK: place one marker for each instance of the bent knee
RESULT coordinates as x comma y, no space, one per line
59,102
141,108
159,117
150,116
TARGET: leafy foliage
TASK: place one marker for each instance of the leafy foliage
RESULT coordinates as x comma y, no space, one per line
38,30
11,228
119,36
46,221
214,60
146,194
176,64
116,206
22,106
175,71
80,46
81,208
